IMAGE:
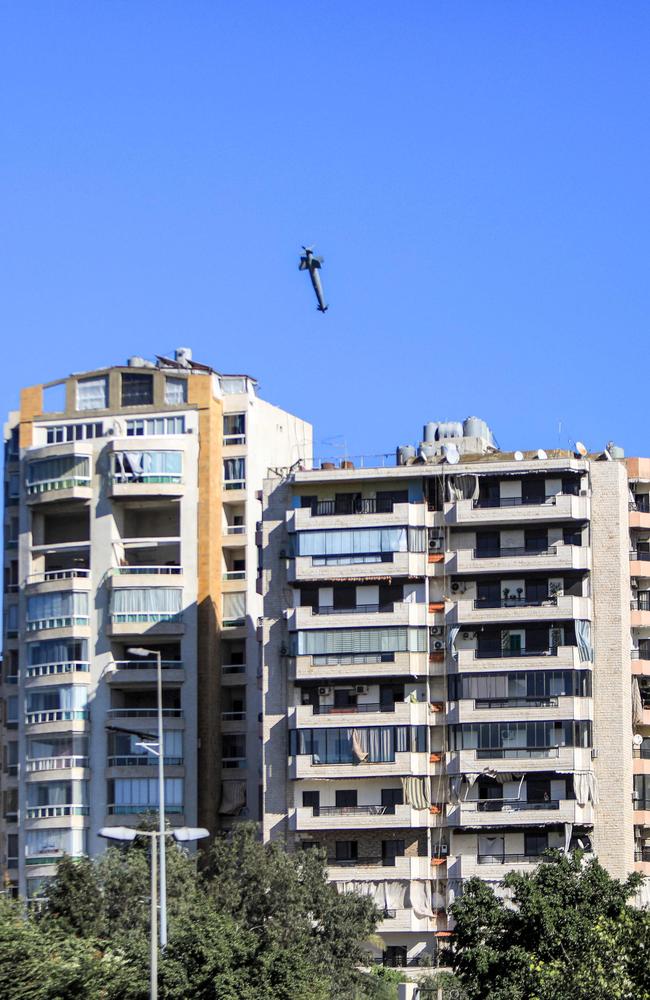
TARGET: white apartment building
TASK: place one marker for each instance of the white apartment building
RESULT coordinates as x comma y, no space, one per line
447,671
130,521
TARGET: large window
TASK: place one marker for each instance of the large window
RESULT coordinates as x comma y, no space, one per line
642,791
58,609
373,744
234,428
56,793
519,735
234,473
137,389
361,640
526,684
57,651
232,385
145,426
127,748
60,433
147,466
358,545
151,604
175,391
47,748
67,702
234,609
92,393
134,795
46,843
60,473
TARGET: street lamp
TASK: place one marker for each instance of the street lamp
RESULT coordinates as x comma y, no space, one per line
140,651
126,833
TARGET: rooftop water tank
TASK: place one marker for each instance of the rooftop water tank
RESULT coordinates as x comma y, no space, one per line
183,355
615,450
405,454
427,450
429,431
449,429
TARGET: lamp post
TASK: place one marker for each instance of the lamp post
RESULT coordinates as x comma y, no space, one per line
140,651
126,833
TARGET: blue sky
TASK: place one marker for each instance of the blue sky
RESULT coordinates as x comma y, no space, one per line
475,174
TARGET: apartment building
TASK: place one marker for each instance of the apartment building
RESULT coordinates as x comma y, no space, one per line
639,502
447,670
132,497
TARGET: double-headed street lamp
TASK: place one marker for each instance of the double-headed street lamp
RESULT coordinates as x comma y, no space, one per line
183,834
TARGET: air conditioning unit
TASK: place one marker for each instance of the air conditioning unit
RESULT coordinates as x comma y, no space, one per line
594,753
466,635
437,630
436,544
441,851
437,645
455,587
283,650
361,689
324,690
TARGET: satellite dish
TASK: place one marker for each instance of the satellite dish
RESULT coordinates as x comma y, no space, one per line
519,456
581,449
450,451
541,454
637,739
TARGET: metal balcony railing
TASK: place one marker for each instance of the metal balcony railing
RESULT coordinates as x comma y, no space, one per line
516,703
235,574
550,501
488,652
233,716
642,854
641,602
144,713
358,609
66,483
516,602
147,664
147,570
59,574
47,623
509,805
46,669
358,505
370,810
507,859
373,706
510,551
141,760
515,753
127,809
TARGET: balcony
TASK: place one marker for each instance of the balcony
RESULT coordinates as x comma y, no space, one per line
41,764
508,610
141,760
520,758
517,510
144,713
145,474
404,763
56,715
491,658
377,867
554,558
145,623
640,563
35,670
368,817
74,578
497,813
519,709
363,512
66,487
54,812
371,565
362,666
144,671
404,713
640,610
363,615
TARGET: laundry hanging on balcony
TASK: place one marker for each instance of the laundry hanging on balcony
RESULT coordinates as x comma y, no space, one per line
583,638
585,787
452,633
233,798
464,487
637,704
416,792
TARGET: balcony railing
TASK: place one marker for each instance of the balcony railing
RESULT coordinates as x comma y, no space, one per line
46,669
488,652
236,529
147,570
234,762
235,574
233,668
640,555
510,551
641,503
51,812
643,854
233,716
369,810
231,439
147,664
128,809
59,574
359,505
234,484
144,713
370,861
549,501
345,659
640,603
642,653
509,805
67,483
515,753
130,617
57,715
54,763
515,703
516,602
508,859
643,753
47,623
358,609
141,760
371,706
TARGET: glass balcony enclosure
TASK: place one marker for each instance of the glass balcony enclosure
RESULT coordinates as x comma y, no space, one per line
62,472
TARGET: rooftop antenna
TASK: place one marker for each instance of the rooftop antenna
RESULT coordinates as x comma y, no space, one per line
541,454
581,449
451,453
519,456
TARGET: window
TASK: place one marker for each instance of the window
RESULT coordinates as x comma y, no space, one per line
137,389
346,850
155,425
12,618
233,749
92,393
346,798
358,545
12,709
234,473
141,795
372,744
57,609
53,651
391,849
62,433
41,843
151,604
535,844
391,797
62,472
311,800
147,466
175,391
70,701
234,428
13,486
232,386
234,609
361,640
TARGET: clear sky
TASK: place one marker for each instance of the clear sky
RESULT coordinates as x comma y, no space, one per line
475,173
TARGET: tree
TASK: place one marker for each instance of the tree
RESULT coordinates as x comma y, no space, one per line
567,933
257,923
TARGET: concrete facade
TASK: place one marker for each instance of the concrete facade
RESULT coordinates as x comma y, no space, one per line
447,673
130,521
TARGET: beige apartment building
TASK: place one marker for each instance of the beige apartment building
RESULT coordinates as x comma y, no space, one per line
132,499
448,669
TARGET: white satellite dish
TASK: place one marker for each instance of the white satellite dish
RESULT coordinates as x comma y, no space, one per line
451,453
519,456
637,739
581,449
541,454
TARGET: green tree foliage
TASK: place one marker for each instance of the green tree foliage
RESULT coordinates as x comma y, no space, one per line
257,923
568,933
